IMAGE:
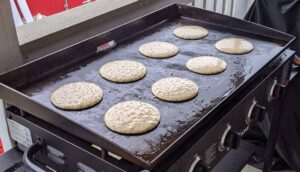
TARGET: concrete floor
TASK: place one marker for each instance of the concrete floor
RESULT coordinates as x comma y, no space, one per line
249,168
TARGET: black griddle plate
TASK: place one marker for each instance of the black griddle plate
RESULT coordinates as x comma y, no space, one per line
176,118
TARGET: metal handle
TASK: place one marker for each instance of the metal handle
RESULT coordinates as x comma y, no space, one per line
248,118
222,146
276,91
197,159
28,156
198,165
270,96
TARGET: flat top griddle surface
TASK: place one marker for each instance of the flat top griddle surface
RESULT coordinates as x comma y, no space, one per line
176,118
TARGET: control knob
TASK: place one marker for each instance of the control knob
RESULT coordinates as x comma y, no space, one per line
230,139
256,113
198,165
276,91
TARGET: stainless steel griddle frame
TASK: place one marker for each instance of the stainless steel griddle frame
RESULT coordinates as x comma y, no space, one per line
24,73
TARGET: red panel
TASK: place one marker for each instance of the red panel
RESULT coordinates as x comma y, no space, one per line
45,7
1,148
50,7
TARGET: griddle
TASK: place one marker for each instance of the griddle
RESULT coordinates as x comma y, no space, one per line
30,86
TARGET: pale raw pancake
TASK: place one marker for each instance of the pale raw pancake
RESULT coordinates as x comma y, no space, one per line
132,117
175,89
158,49
206,65
190,32
76,96
123,71
234,46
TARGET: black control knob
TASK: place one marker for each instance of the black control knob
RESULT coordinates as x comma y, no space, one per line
201,167
276,91
232,139
198,165
256,113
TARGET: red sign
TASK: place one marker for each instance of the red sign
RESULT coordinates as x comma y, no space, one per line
1,148
50,7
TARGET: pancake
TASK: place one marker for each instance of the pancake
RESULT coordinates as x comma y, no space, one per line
206,65
123,71
234,46
158,49
76,96
132,117
174,89
190,32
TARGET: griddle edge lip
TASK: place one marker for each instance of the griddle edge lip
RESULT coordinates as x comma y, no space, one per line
28,102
